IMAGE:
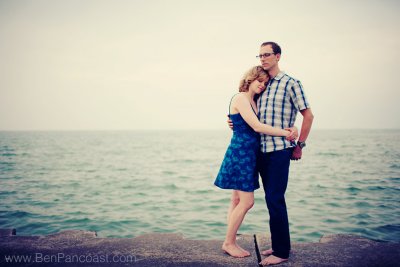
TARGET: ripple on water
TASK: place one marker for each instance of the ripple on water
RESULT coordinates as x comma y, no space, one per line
361,216
333,204
362,223
168,173
389,232
6,166
394,179
353,189
376,188
363,204
36,227
200,191
8,154
7,193
330,220
15,214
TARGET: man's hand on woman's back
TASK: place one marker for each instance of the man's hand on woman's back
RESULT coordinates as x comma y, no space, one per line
230,123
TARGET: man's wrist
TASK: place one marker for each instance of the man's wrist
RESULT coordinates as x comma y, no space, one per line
301,144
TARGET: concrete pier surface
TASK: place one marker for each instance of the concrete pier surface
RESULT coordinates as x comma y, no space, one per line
84,248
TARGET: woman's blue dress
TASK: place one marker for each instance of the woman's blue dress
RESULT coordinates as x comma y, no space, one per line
239,168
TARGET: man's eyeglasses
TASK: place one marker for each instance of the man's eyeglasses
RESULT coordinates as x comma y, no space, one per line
264,55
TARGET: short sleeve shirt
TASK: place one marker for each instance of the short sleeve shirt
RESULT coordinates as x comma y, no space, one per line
278,106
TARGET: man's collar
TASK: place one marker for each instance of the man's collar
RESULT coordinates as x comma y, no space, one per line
279,76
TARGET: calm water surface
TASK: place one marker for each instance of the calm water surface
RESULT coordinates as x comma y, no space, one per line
123,184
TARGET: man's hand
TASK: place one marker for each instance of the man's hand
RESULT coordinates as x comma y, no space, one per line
230,123
297,152
294,133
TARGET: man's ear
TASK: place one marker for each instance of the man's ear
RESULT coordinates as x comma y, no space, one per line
278,57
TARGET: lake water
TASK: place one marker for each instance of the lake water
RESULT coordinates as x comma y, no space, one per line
127,183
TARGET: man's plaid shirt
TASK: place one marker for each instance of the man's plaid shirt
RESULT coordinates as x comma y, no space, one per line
278,106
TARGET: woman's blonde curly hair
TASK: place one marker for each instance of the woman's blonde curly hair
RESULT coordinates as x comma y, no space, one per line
250,76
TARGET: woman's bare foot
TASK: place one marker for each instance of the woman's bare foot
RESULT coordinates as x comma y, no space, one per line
271,260
234,251
245,251
267,252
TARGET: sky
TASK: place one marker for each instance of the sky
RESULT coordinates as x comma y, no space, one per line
175,64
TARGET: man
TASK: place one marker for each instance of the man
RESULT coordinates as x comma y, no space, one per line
278,106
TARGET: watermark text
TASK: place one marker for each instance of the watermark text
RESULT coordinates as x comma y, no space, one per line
70,258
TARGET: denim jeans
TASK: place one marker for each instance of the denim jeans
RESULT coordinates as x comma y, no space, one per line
274,170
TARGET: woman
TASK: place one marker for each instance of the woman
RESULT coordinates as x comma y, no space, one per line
238,170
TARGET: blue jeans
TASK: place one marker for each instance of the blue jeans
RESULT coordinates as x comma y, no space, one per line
274,171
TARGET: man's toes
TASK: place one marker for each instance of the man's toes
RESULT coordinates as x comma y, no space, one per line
267,252
264,262
271,260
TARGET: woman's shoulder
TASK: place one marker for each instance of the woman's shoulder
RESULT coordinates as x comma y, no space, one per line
239,96
238,102
236,99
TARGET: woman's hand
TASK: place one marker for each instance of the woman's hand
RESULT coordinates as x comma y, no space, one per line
294,133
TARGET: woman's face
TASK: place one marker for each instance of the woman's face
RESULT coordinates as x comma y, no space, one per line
258,85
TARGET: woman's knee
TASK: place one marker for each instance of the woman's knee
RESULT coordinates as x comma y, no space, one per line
247,202
235,199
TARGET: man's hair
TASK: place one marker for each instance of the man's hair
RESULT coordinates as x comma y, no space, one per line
275,47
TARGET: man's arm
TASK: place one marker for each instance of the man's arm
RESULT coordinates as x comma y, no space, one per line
308,118
230,123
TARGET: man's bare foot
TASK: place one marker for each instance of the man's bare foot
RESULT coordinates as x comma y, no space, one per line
267,252
271,260
234,251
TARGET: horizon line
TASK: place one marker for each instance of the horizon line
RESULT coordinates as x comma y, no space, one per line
177,129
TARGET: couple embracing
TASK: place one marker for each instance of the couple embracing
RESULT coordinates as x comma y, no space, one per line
262,117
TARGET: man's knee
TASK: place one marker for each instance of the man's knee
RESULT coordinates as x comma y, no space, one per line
274,199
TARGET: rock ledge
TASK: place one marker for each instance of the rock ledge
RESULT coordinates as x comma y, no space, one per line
84,248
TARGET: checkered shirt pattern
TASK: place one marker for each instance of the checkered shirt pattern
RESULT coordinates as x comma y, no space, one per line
278,106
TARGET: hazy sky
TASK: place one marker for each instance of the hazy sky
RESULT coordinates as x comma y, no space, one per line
88,65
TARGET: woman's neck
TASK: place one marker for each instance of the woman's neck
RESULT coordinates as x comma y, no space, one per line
250,95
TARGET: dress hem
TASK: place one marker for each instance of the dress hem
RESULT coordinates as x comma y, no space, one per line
249,191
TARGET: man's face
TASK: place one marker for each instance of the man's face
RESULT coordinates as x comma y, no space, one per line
267,58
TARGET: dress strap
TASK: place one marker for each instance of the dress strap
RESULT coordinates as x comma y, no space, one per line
229,110
253,109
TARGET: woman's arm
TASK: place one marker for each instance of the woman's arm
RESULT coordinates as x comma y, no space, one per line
243,105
